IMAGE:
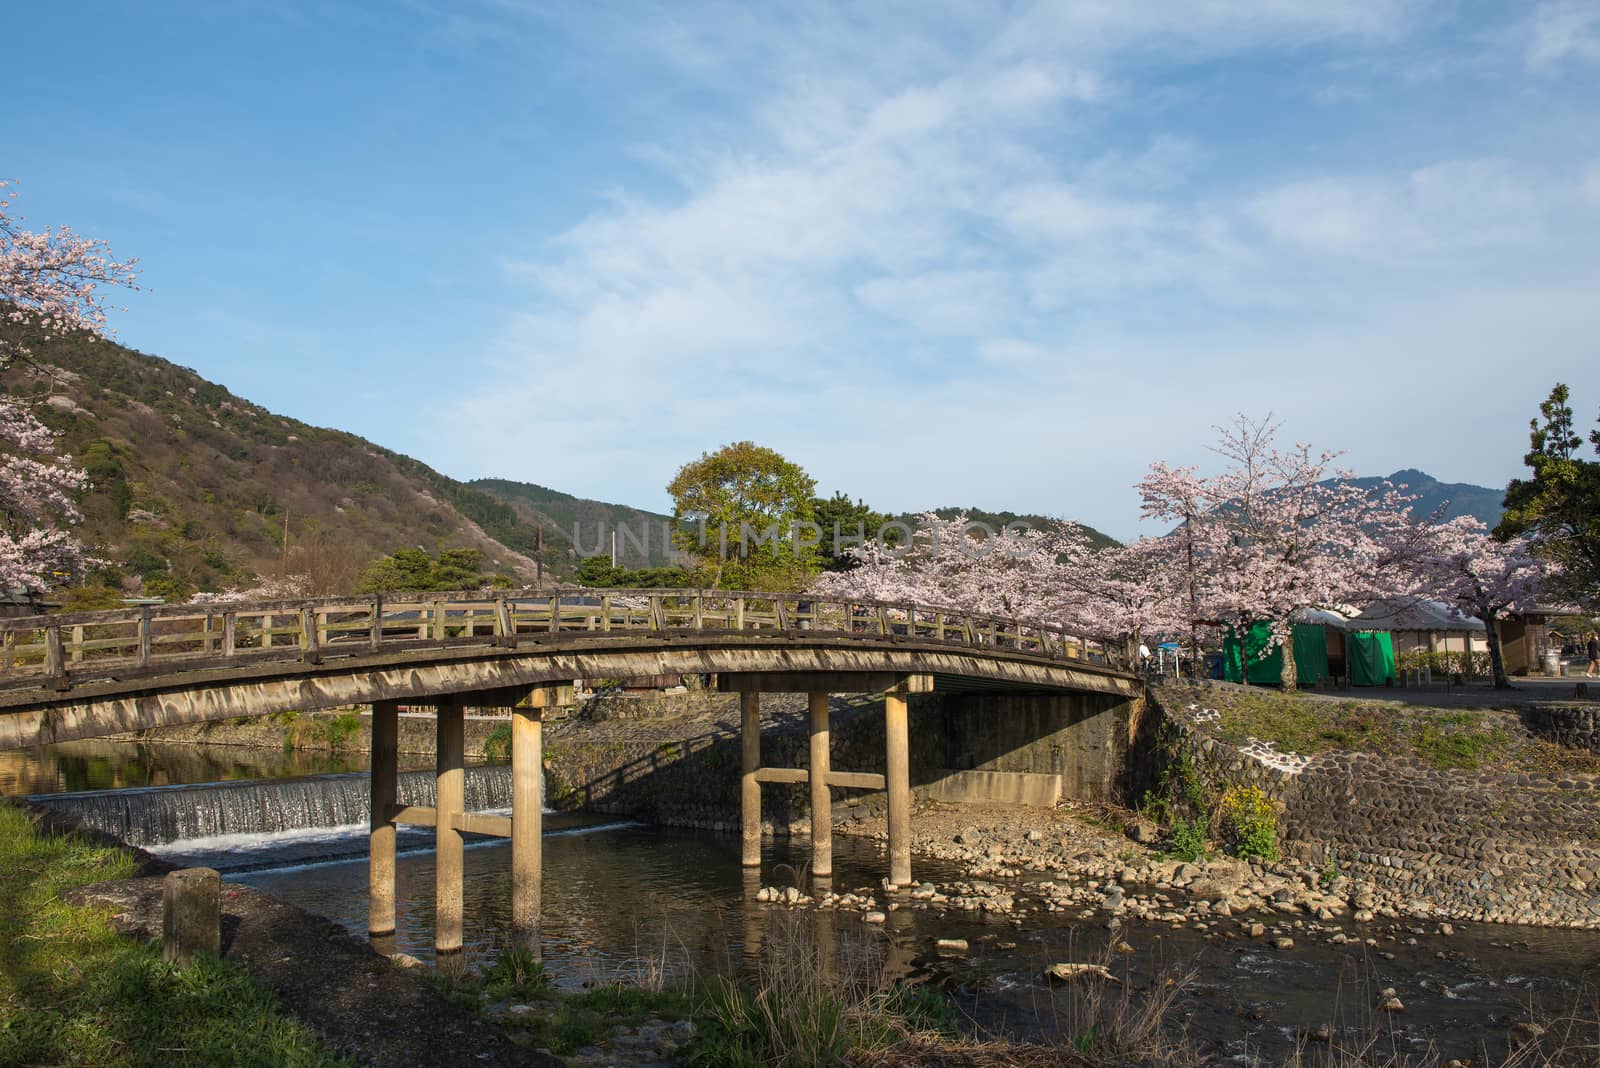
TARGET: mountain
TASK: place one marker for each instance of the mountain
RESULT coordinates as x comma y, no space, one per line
194,487
642,540
997,520
1451,499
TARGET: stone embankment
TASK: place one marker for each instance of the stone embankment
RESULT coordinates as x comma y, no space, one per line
342,731
1504,845
1576,726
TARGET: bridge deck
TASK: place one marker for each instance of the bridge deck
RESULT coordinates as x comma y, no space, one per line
78,675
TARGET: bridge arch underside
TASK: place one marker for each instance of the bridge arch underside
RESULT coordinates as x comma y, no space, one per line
174,698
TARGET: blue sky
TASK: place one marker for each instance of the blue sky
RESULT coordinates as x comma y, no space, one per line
980,253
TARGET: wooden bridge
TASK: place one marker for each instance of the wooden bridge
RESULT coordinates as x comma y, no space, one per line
83,675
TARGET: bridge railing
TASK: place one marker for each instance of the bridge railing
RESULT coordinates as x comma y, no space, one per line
64,648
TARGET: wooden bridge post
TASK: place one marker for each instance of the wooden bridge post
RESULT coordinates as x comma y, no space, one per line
821,798
385,777
749,786
897,778
449,803
527,812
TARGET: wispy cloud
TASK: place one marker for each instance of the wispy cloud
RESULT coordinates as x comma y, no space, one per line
1561,31
1048,239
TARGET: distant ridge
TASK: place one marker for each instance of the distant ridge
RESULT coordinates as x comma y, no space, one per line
640,541
1097,539
1449,499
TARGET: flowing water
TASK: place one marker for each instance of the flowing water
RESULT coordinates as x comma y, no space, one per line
623,900
156,815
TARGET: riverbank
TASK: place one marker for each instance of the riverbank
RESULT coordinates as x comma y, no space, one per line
73,990
1441,814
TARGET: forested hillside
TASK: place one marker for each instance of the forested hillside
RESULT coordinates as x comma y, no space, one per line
194,488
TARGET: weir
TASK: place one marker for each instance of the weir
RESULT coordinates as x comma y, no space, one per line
157,815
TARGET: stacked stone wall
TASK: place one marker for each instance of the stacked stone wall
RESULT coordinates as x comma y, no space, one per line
1576,726
1501,846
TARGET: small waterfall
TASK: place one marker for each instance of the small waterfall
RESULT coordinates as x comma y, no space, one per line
157,815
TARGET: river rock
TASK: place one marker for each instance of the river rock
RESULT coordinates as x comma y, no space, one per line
1283,942
1143,831
873,917
1067,972
951,945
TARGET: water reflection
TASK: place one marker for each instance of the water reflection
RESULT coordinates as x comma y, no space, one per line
635,902
618,902
100,764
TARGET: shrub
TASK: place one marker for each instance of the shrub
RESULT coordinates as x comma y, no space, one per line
1188,839
342,728
497,747
1250,823
515,972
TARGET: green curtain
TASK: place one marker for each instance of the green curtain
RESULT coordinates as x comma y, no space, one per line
1371,657
1310,655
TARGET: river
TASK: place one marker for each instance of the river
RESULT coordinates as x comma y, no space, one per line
624,900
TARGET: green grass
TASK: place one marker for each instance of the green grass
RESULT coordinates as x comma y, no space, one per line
561,1022
73,991
1300,723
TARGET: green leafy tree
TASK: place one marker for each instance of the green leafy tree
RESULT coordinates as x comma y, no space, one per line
745,514
1559,506
414,569
843,520
598,571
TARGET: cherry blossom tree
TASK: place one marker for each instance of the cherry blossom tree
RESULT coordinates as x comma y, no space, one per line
284,588
1460,563
954,563
51,285
1278,530
1055,575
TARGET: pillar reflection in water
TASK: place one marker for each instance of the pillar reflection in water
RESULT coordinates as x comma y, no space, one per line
822,931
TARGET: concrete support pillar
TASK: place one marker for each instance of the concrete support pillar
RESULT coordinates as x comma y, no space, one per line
821,799
385,774
898,783
191,915
527,826
749,788
449,803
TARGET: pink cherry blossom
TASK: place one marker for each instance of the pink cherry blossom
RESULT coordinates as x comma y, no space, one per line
50,285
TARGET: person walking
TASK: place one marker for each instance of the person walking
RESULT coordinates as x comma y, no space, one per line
1593,650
